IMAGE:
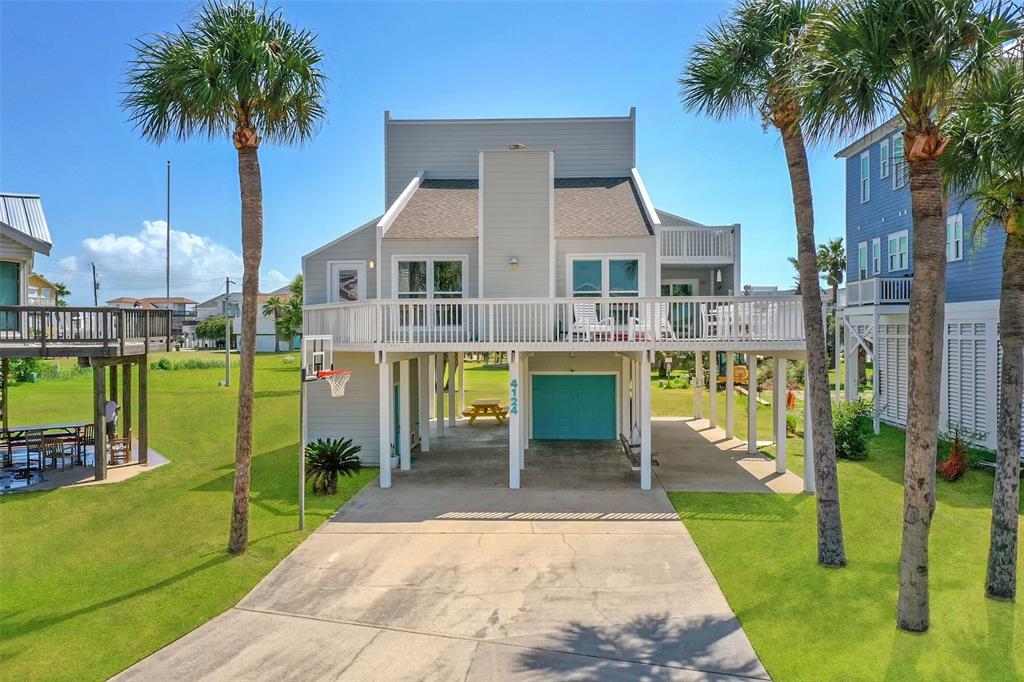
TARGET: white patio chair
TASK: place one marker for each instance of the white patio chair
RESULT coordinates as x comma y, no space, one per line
709,319
655,324
587,322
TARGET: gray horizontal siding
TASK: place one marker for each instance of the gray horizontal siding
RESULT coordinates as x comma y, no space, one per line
428,247
577,362
355,415
12,250
595,147
360,244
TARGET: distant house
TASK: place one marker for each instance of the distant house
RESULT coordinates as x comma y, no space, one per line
41,291
23,234
267,340
183,313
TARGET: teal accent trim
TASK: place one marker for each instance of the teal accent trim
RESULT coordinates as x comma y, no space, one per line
574,407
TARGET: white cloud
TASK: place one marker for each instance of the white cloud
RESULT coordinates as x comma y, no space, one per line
134,265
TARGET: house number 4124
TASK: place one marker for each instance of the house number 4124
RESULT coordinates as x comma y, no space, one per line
513,398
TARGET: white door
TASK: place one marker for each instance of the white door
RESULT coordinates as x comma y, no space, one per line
347,280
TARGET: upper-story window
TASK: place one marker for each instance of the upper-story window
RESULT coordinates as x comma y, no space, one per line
876,255
955,237
899,245
865,176
883,153
862,260
899,163
598,276
432,277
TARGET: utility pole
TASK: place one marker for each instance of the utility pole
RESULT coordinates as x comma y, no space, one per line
168,233
95,287
227,331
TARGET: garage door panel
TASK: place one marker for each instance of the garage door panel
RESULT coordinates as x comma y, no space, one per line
574,407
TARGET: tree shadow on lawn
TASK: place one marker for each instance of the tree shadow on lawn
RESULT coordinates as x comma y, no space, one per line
711,644
743,507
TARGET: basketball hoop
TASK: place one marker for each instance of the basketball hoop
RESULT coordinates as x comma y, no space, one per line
336,379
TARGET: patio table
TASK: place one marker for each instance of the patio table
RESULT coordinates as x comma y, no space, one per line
21,433
486,408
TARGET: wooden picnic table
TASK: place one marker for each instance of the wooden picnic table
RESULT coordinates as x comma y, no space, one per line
18,435
486,408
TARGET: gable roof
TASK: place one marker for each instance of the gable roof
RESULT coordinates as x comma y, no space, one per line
22,219
584,207
42,279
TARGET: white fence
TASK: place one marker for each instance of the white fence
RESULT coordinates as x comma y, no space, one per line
698,244
878,291
775,322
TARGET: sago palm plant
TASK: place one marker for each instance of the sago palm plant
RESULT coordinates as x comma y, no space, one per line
328,459
984,166
751,64
873,59
239,71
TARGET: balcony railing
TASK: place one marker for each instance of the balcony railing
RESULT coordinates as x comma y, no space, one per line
67,331
877,291
698,244
695,321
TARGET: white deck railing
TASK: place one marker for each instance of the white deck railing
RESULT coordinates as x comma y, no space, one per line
878,291
698,244
756,322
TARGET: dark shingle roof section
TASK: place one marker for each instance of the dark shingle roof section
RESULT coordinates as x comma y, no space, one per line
598,207
439,209
584,207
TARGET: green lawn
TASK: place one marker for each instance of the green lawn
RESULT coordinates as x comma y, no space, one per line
811,623
93,579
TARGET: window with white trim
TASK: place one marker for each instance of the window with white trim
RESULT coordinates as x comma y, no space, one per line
876,255
899,247
610,276
955,237
899,162
865,176
883,153
431,277
862,260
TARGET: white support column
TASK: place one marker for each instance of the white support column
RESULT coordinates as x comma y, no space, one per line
384,418
461,359
404,416
645,422
852,354
514,422
439,394
809,486
423,406
452,373
698,383
837,324
752,403
634,401
730,394
875,407
779,407
713,389
624,425
431,362
525,407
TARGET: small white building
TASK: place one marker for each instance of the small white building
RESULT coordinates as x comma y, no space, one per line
536,238
267,338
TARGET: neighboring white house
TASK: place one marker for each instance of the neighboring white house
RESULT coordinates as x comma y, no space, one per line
267,340
23,234
41,291
534,237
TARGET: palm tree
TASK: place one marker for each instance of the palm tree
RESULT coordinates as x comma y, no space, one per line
239,70
796,276
274,307
984,164
872,58
751,64
61,293
832,264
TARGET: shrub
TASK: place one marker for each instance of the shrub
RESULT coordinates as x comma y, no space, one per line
162,363
326,459
790,424
852,424
196,363
21,368
954,466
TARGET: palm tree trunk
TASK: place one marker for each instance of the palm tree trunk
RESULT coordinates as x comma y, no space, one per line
924,358
831,551
251,185
1002,552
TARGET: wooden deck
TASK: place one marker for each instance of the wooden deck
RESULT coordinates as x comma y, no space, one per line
51,332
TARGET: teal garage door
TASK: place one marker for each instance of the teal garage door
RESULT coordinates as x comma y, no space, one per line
574,407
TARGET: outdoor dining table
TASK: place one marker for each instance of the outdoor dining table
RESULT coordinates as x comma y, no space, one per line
22,433
486,408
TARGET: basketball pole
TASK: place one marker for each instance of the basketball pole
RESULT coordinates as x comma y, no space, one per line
302,448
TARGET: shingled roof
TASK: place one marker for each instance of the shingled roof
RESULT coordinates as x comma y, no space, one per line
584,207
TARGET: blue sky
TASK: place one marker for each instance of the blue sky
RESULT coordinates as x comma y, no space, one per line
64,136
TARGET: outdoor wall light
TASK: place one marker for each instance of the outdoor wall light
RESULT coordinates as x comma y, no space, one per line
373,264
513,262
718,275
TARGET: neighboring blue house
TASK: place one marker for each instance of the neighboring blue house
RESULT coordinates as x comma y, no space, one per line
880,257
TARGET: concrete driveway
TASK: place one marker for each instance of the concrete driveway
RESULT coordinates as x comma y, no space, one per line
429,582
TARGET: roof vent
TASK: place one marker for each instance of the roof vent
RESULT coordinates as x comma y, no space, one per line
516,147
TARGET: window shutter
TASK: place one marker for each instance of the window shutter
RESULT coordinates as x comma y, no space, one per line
966,396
